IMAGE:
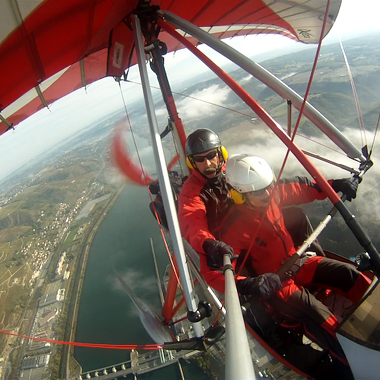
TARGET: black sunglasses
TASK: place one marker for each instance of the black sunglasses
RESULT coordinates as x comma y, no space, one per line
209,156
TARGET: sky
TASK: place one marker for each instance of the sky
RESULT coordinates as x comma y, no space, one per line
84,108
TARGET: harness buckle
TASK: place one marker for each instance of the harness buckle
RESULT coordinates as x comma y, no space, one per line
298,264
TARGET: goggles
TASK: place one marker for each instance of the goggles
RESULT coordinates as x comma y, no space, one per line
209,156
262,192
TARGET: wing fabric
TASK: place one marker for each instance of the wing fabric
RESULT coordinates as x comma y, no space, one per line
50,48
122,160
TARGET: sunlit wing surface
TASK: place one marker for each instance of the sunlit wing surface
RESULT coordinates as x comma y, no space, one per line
50,48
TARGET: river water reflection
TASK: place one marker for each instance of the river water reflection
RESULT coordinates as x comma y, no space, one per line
106,313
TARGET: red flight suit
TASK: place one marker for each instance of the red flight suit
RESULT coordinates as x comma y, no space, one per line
273,245
202,204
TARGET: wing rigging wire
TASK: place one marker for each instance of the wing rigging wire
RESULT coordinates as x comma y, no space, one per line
91,345
323,145
308,88
199,100
132,133
243,114
356,98
374,137
357,104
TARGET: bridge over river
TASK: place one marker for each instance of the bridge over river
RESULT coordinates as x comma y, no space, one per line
139,364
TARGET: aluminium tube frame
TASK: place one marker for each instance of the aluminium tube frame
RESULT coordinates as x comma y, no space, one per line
270,80
164,178
5,121
209,292
238,355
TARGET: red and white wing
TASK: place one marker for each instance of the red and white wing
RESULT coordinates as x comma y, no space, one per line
49,48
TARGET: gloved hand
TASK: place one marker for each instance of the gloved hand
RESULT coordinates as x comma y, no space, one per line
215,251
263,286
346,186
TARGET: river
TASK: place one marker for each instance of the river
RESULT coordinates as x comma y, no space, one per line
106,314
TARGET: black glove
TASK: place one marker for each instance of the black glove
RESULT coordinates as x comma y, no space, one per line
154,187
263,286
346,186
215,251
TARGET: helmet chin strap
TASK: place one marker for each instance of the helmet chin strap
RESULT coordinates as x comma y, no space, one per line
221,161
250,203
214,179
252,206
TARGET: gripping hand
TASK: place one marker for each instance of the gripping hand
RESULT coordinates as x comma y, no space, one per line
215,250
263,286
346,186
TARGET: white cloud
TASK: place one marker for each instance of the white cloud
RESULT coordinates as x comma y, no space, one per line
196,108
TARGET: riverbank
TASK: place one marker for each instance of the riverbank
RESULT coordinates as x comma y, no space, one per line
106,313
70,368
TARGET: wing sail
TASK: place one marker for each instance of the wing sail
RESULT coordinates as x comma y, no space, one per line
87,40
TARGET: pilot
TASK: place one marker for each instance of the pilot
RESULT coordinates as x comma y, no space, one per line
204,198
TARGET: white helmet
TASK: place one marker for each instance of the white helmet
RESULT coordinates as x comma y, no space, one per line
247,173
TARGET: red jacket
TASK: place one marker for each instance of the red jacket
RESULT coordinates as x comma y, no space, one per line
202,204
272,241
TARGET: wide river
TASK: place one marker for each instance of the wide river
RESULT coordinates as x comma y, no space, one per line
106,313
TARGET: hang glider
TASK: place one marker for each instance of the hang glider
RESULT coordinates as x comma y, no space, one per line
58,48
49,49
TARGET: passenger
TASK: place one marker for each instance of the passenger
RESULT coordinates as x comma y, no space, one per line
256,224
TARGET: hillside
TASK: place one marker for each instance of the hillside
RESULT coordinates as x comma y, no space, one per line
37,214
331,91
